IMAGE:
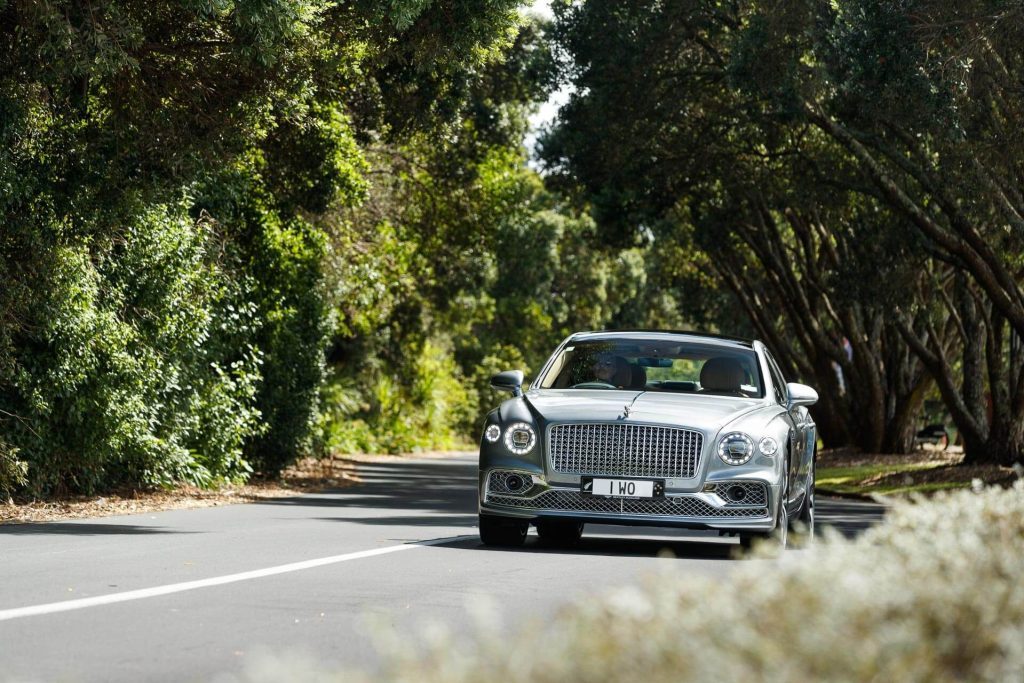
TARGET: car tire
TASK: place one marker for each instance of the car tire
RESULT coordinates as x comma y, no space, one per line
774,541
802,527
559,532
500,531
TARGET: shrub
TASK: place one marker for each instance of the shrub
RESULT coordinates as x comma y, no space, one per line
501,358
121,376
426,408
12,471
284,264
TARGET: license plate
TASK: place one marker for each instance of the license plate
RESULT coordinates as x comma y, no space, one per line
624,488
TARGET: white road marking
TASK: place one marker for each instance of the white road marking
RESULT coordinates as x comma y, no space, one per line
82,603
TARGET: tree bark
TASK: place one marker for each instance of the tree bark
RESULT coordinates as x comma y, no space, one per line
877,404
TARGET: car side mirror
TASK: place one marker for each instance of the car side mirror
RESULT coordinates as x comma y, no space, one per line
512,381
801,395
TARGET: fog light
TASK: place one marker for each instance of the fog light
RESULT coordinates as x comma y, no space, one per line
736,493
515,483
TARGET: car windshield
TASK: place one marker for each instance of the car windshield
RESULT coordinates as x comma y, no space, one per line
655,365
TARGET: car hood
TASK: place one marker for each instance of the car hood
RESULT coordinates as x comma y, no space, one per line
700,411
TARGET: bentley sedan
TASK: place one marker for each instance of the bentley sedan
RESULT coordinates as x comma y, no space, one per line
649,428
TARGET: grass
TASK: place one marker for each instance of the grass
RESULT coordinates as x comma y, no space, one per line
880,479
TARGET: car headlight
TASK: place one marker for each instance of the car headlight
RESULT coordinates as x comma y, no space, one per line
735,448
768,446
520,438
492,433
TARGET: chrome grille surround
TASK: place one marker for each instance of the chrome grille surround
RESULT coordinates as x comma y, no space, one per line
686,505
757,493
496,482
624,449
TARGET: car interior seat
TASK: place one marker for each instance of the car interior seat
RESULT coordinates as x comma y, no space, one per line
722,375
639,379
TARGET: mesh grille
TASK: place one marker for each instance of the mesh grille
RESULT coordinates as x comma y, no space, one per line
496,482
757,493
625,449
677,506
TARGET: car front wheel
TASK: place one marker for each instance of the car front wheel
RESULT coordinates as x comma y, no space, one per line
803,525
558,532
501,531
775,540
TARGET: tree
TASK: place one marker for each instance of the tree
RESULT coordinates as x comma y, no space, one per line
165,169
923,97
662,139
465,249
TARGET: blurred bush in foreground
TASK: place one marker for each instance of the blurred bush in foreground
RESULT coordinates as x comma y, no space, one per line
935,593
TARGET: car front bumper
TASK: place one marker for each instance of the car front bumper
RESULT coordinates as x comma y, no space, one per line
694,510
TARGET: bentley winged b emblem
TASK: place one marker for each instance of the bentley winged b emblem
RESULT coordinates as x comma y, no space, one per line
625,410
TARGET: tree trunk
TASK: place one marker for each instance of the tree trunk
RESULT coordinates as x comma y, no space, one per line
782,289
901,429
987,403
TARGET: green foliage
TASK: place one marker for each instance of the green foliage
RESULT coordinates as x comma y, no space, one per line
118,377
286,262
313,163
831,166
425,410
172,183
881,68
12,470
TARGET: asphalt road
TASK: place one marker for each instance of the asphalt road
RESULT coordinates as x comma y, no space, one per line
192,594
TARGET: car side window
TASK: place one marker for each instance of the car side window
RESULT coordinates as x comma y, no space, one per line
778,382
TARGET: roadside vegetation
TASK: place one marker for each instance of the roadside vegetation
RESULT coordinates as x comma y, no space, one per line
849,472
236,235
881,479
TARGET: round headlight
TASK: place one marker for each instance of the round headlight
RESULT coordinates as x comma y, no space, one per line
492,433
735,448
768,445
520,438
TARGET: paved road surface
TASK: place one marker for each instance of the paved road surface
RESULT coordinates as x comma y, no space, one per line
188,594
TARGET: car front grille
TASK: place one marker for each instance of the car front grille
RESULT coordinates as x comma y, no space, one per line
625,450
562,500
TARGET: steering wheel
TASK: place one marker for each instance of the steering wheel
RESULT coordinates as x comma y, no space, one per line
593,385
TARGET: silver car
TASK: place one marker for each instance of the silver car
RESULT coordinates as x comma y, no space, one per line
649,428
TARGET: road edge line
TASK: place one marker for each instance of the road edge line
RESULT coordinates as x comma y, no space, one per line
169,589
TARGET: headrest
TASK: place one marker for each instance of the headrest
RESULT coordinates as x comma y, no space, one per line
721,374
623,372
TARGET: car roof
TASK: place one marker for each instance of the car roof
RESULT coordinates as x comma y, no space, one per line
681,335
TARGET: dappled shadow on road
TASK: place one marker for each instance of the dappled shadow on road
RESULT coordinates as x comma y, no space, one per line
82,529
433,493
442,493
849,517
619,546
439,520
